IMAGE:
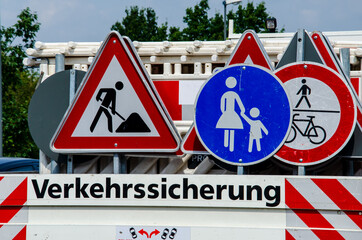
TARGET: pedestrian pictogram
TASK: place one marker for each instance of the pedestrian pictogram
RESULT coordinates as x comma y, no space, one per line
304,91
116,109
248,50
238,121
324,113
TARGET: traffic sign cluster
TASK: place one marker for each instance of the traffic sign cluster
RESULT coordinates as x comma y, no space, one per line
303,113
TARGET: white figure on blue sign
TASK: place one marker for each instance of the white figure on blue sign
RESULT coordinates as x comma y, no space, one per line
256,129
229,119
243,114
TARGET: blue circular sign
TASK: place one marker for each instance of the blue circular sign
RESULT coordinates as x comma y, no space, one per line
243,114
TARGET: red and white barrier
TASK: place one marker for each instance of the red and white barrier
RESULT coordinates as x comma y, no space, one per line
13,213
260,207
179,97
323,208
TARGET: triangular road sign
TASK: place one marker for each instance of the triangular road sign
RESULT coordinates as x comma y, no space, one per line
331,60
137,59
301,48
249,50
115,109
191,143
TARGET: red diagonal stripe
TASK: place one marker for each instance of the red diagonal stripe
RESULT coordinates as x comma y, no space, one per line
294,199
338,194
21,235
18,196
305,211
1,178
342,198
8,212
355,216
288,236
324,51
359,117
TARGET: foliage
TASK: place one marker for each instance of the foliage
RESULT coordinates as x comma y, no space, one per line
175,34
18,84
141,25
216,27
197,22
17,141
250,17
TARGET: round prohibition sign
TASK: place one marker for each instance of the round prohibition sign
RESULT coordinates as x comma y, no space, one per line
324,113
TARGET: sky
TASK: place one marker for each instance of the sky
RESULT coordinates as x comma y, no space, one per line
91,20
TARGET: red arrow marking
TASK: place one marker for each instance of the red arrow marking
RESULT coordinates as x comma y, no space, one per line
143,232
156,232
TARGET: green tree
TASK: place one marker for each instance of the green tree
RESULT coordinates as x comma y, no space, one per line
200,27
251,17
18,84
197,22
175,34
141,25
216,28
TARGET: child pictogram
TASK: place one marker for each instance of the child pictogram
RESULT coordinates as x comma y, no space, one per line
133,123
256,129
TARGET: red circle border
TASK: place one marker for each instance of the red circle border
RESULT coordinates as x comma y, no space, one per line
348,114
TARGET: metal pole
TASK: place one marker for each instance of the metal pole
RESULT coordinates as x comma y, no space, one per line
240,170
116,164
300,45
59,66
70,164
71,96
301,170
119,164
344,54
224,3
59,62
300,58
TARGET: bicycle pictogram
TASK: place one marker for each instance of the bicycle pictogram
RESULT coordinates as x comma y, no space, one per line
315,134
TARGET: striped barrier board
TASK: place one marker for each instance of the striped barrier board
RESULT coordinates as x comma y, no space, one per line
179,207
311,202
13,213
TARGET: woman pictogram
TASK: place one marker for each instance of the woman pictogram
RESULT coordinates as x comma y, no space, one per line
229,119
